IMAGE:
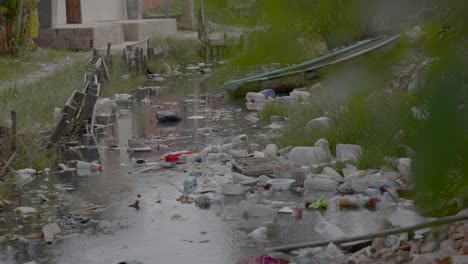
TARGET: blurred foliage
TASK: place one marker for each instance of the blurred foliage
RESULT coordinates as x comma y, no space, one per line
293,31
441,164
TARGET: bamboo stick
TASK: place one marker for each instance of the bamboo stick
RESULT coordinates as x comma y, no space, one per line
388,232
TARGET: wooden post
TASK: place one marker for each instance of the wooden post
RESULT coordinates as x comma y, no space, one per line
142,61
109,45
13,131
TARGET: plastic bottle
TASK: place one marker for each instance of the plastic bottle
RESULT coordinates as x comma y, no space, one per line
189,183
88,166
196,172
174,156
350,201
255,101
268,93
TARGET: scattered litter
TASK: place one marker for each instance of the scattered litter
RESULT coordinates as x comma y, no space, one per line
185,199
259,234
196,117
231,189
320,204
25,210
176,217
286,210
263,259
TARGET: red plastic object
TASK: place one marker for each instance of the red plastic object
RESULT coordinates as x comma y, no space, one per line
173,157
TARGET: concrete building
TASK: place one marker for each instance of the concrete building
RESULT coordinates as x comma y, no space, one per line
88,24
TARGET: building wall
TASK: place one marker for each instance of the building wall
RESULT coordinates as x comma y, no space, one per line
153,4
102,10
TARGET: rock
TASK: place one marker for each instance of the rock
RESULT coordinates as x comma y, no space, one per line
259,234
31,262
306,156
404,167
348,152
252,118
50,231
25,210
323,144
321,123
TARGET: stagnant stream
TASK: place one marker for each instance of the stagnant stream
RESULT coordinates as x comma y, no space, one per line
166,231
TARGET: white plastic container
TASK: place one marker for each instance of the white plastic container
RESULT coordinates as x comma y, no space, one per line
271,151
232,189
359,184
299,96
255,101
281,184
249,209
319,184
306,156
329,231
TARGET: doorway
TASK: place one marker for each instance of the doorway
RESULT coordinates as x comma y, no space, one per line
73,11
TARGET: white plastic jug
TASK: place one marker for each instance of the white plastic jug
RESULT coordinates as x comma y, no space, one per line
271,151
255,101
299,96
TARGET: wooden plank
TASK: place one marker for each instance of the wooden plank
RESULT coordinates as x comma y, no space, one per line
105,72
59,129
87,108
7,166
251,166
71,111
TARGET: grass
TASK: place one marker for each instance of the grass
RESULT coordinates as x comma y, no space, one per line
16,67
34,104
180,50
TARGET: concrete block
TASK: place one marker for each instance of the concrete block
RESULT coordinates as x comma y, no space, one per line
43,42
109,33
47,33
60,43
66,33
140,29
84,33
